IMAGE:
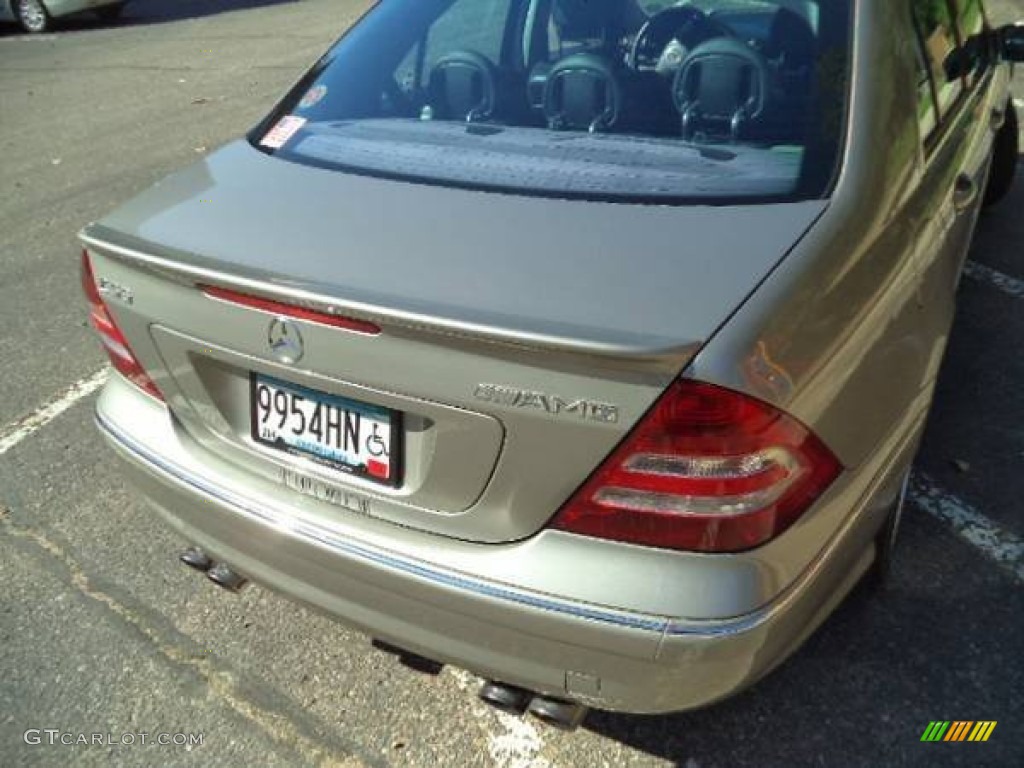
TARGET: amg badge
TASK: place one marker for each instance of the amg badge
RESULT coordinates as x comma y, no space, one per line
586,410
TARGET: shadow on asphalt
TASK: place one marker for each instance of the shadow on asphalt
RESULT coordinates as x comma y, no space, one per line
886,663
139,12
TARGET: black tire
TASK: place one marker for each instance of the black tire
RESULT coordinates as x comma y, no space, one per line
1004,158
33,16
110,12
885,541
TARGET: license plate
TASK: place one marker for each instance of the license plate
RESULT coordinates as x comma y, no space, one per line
348,435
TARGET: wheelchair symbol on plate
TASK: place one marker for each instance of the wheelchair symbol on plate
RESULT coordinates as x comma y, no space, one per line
374,443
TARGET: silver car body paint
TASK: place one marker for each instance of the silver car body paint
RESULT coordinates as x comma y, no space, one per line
837,311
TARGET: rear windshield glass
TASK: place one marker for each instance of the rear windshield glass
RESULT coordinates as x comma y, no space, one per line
625,100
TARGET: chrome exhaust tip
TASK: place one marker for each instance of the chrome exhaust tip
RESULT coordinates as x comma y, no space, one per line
506,698
194,557
563,715
226,578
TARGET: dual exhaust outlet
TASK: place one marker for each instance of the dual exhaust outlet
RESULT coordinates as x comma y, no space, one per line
564,715
558,713
218,573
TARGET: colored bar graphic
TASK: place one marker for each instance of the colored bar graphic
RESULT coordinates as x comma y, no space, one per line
959,730
935,730
963,728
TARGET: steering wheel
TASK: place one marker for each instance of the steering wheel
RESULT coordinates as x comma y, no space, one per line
684,25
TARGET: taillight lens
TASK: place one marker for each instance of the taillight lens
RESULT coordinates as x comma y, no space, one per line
706,470
114,342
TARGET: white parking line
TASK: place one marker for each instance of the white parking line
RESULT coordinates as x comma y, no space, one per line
22,428
1003,282
519,743
969,524
21,38
519,746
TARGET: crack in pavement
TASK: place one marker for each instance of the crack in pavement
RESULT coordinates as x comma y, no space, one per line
278,726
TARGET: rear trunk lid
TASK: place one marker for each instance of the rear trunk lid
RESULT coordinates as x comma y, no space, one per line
520,337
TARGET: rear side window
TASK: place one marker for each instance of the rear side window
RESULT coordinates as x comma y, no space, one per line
971,20
937,32
624,100
478,26
468,24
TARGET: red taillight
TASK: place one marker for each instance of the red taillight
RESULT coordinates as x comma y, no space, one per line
707,470
290,310
114,342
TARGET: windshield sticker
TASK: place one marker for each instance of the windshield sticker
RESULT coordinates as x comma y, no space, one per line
313,96
281,133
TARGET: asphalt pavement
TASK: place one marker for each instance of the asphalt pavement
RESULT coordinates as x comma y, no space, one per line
103,632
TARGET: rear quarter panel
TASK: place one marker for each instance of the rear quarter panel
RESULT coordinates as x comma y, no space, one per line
843,334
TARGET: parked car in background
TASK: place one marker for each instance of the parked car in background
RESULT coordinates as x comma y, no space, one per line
584,344
38,15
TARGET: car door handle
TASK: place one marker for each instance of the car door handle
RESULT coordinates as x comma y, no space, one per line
965,192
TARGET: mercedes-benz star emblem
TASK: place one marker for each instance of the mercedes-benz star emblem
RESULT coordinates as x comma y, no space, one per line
285,340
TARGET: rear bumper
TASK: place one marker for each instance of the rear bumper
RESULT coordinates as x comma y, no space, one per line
612,659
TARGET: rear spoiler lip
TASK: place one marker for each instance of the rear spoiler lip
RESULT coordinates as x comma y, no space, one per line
646,352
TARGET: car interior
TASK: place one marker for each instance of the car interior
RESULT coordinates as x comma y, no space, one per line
708,70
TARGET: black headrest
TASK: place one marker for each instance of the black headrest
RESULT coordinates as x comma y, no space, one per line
722,75
462,86
582,92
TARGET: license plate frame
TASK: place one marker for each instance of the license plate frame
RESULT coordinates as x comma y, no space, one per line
341,403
